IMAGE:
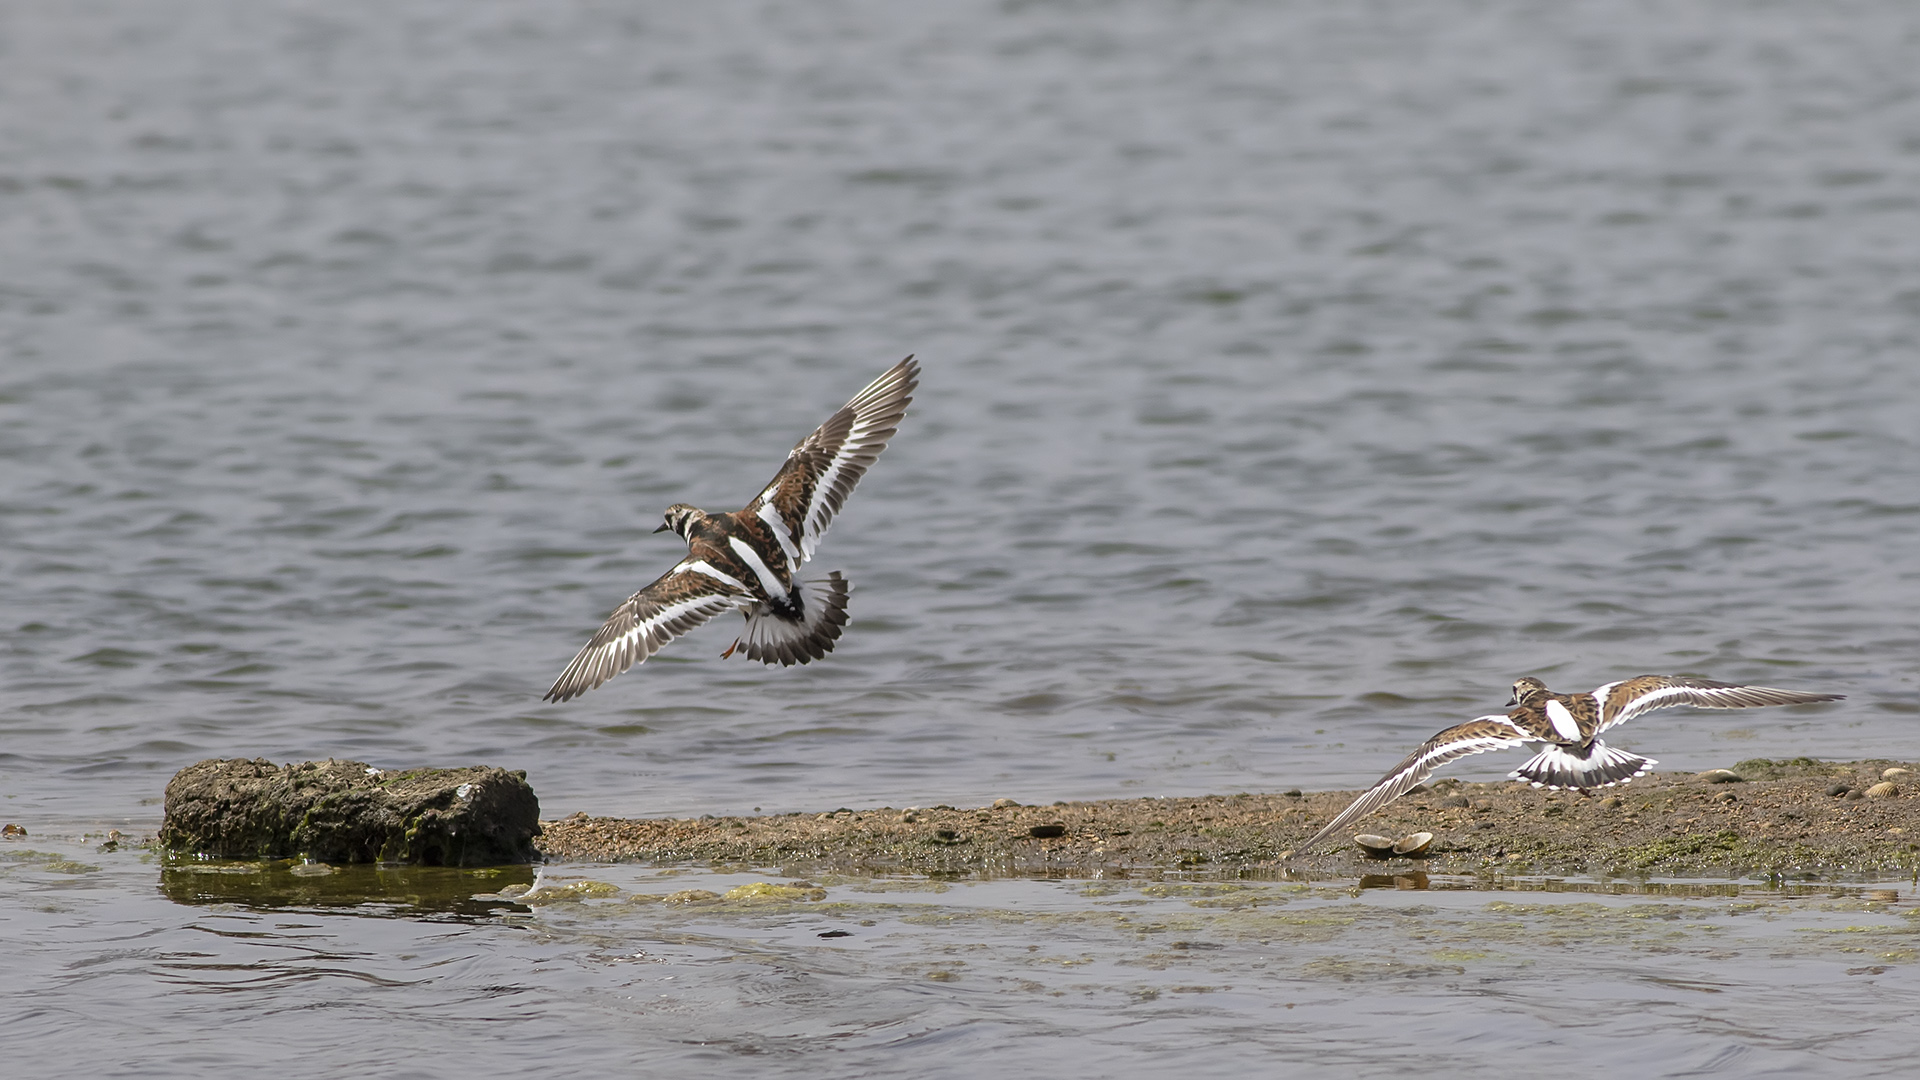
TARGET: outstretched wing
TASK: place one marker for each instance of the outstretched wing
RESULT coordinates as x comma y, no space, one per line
683,598
1622,701
1473,737
820,472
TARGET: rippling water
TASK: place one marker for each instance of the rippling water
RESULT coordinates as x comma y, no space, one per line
1297,376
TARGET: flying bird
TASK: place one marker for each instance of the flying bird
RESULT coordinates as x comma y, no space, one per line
1564,729
749,560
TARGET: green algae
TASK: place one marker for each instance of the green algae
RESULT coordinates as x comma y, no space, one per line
50,861
767,891
558,894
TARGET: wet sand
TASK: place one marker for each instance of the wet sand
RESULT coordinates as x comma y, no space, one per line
1781,817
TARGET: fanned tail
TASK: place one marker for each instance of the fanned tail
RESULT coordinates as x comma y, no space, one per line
786,636
1558,767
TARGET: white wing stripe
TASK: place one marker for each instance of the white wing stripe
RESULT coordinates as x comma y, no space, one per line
702,566
769,583
769,514
1651,700
668,614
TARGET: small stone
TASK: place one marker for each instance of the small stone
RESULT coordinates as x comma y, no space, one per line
1047,832
1002,804
1896,773
1836,789
1719,776
1613,802
909,817
1291,793
1856,793
1455,801
1883,790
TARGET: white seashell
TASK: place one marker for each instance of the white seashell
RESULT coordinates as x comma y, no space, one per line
1413,843
1377,846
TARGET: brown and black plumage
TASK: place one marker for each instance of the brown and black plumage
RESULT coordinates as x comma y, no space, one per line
1565,728
749,560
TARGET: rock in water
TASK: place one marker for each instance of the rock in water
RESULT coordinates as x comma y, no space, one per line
345,812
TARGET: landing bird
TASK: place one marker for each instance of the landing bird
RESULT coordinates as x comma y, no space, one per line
749,560
1565,729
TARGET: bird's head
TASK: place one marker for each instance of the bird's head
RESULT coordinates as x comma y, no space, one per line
1525,689
681,518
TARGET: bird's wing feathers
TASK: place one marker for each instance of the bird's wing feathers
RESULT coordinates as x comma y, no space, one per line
1476,736
822,469
1622,701
683,598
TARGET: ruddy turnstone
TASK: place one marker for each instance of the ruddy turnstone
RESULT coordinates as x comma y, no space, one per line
1565,728
749,560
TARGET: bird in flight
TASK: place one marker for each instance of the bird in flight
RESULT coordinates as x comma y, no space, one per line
1564,729
749,560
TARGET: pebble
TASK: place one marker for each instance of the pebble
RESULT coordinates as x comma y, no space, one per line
1456,801
1882,790
1719,776
1836,789
909,817
1047,832
1613,802
1896,773
1002,804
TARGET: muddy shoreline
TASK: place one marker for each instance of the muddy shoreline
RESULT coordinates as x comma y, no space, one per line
1798,817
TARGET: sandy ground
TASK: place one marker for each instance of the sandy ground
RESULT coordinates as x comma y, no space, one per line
1799,817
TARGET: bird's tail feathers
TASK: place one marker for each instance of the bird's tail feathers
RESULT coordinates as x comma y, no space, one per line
1557,767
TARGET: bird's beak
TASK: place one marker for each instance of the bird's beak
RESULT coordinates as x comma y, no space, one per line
1512,701
662,528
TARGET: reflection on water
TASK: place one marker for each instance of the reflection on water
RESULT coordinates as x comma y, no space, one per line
401,890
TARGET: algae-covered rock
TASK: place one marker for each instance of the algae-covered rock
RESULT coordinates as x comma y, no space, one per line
347,812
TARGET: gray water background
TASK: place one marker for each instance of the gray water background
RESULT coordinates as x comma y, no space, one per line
1297,375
